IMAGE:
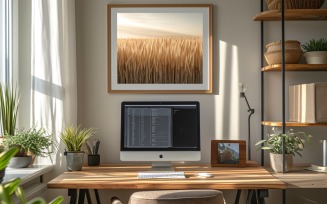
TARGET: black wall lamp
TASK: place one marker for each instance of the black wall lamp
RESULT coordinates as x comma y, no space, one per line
251,112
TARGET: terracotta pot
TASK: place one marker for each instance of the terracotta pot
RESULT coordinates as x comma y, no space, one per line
276,162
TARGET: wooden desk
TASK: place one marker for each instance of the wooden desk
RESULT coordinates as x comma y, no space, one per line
125,177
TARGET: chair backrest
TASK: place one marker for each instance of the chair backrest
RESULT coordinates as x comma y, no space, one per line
201,196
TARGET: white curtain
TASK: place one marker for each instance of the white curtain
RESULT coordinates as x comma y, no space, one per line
53,69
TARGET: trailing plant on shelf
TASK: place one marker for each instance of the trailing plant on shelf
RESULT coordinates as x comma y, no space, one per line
9,100
8,189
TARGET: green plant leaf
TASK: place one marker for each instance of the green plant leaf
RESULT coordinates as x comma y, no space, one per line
37,201
260,142
20,195
74,137
5,197
294,143
315,45
11,185
9,100
6,156
57,200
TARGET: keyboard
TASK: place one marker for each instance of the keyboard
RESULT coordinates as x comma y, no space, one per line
170,174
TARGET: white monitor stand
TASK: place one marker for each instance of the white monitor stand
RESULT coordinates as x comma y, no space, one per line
162,166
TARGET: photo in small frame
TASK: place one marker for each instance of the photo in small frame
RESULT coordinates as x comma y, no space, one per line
228,153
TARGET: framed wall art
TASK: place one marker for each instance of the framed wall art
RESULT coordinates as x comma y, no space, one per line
228,153
160,48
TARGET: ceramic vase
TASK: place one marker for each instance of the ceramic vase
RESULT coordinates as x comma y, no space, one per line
74,160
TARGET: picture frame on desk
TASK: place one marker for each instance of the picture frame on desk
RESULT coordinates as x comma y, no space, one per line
159,48
228,153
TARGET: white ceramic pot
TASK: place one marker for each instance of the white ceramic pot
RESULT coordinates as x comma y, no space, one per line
316,57
276,162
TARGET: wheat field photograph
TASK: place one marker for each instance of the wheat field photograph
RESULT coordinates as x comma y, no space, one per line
159,48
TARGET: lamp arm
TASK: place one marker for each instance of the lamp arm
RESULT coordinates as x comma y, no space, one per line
251,110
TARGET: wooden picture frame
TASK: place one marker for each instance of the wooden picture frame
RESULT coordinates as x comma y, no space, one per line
228,153
159,48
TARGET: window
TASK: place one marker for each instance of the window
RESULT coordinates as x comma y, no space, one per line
5,41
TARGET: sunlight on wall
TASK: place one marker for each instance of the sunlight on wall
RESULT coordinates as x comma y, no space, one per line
228,101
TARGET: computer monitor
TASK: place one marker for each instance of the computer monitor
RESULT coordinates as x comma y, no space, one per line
160,132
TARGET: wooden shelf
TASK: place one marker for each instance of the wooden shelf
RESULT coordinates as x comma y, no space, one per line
293,15
291,124
296,67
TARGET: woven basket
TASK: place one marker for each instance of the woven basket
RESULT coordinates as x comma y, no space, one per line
289,44
294,4
292,56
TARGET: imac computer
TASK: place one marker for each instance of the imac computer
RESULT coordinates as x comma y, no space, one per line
160,132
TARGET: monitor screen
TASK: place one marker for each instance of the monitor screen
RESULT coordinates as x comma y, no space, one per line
160,131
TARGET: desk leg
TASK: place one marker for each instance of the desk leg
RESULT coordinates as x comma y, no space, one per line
238,194
88,196
81,196
97,196
261,194
249,199
257,196
73,195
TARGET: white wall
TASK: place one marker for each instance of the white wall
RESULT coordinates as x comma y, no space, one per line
236,58
236,55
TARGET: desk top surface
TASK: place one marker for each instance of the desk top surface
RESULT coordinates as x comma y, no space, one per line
122,176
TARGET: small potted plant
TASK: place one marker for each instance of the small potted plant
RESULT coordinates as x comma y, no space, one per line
315,51
32,142
74,138
294,144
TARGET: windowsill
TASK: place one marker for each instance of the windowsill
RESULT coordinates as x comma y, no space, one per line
32,180
27,174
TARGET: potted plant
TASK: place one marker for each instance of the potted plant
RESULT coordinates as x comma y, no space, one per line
74,137
10,188
315,51
294,144
32,142
9,99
